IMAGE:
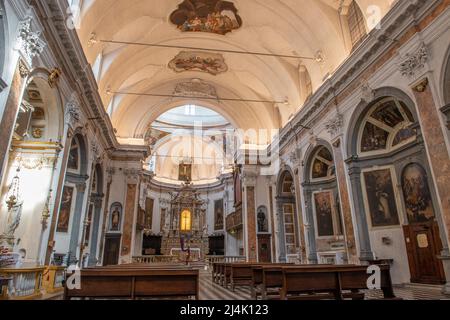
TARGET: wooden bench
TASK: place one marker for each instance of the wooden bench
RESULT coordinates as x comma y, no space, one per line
330,282
128,282
274,280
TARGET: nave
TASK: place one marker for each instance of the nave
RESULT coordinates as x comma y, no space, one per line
311,137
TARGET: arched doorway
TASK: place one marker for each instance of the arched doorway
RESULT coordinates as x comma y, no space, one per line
289,241
395,200
322,206
69,226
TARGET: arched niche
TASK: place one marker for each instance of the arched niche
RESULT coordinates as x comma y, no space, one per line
40,113
385,139
325,232
289,235
262,219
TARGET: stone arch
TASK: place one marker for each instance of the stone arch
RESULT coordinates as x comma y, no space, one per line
376,179
322,205
362,109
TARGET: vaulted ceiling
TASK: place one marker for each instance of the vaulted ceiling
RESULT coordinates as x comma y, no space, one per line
287,27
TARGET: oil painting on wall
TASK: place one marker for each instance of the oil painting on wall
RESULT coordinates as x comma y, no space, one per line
218,214
416,193
65,210
381,198
323,202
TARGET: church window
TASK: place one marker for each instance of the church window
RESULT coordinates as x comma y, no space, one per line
356,24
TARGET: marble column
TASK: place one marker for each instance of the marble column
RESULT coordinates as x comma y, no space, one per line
249,183
76,222
439,158
10,113
349,232
95,223
365,249
110,171
131,203
251,224
281,234
273,227
128,219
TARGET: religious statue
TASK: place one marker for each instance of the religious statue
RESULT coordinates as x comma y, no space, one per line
13,221
261,221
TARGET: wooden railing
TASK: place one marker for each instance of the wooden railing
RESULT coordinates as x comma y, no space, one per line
154,259
24,283
224,259
53,279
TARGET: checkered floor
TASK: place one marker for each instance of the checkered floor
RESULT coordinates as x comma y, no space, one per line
212,291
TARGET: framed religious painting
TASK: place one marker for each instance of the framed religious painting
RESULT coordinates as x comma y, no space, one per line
380,198
218,214
416,194
65,209
324,212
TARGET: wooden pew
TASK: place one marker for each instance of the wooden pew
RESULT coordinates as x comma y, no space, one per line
274,280
132,283
331,282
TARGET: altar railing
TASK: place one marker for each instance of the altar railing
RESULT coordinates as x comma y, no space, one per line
224,259
24,283
154,259
54,278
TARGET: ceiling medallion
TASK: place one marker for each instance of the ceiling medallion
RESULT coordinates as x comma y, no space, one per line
214,16
211,63
196,88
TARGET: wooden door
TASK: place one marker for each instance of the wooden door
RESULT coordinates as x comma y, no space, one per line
112,250
424,245
264,248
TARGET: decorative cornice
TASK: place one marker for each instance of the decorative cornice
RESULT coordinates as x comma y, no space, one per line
30,42
414,62
335,124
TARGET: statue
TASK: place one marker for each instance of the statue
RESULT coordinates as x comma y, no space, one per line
262,221
14,214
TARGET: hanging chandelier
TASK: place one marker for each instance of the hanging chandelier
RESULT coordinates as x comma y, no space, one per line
12,197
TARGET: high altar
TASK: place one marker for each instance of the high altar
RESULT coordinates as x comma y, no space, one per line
186,220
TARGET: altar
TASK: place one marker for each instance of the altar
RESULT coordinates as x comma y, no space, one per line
185,225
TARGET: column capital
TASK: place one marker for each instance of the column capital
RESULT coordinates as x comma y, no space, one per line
421,85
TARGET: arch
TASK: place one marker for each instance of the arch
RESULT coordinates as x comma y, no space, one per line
446,80
378,181
322,203
362,109
310,157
